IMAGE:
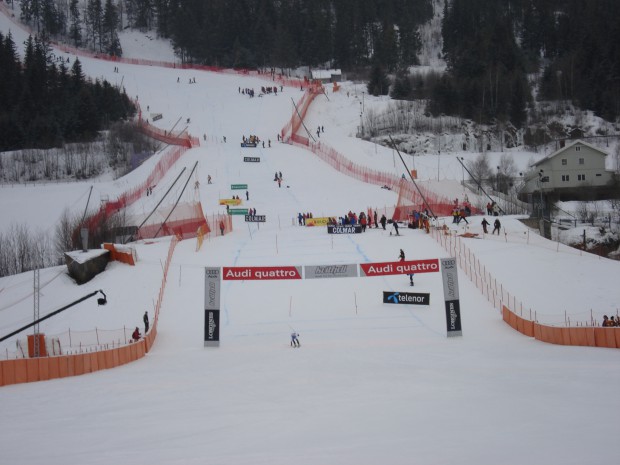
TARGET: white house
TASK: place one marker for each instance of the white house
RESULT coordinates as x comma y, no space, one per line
326,75
567,172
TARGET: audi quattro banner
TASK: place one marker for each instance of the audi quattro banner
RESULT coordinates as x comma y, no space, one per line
330,271
345,229
408,267
240,273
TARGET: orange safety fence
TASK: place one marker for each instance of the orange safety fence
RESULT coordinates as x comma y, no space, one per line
592,336
26,370
571,333
410,197
182,139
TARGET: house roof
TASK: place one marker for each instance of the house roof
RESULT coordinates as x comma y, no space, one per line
565,148
325,73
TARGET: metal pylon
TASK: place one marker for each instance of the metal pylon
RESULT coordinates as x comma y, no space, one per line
36,312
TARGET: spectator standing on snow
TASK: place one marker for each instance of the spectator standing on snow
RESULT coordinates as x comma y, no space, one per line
485,224
145,318
383,221
496,226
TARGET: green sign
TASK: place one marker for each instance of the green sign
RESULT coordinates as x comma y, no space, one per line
237,211
238,186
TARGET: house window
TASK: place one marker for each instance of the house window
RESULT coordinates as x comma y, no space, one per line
565,177
564,161
582,161
581,177
578,148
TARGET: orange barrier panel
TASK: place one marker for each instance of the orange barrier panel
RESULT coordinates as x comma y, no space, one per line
617,334
101,363
52,366
1,376
590,337
600,340
607,338
109,359
8,372
32,369
115,358
578,336
21,371
86,362
94,362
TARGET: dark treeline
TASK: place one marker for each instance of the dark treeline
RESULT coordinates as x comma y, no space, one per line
45,103
256,33
491,45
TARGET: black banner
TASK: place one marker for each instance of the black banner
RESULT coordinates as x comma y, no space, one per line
254,218
251,159
453,317
212,327
345,229
407,298
248,144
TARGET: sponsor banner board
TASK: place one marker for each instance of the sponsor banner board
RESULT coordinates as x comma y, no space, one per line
237,211
238,186
255,218
261,272
230,201
319,221
252,159
156,116
212,288
407,267
407,298
248,144
345,229
451,295
212,328
330,271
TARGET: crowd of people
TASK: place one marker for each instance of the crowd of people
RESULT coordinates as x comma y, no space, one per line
493,208
611,322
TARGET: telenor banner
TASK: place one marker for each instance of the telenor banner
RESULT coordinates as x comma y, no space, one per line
408,267
408,298
451,296
261,272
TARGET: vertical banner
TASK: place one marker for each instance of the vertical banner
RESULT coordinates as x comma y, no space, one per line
212,306
451,296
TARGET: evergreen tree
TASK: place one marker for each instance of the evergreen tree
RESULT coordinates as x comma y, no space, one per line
112,44
75,27
378,84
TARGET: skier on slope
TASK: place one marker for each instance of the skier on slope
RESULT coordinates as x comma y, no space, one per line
294,339
401,257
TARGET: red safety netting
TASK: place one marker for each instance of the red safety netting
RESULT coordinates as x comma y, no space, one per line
183,139
291,128
409,197
183,222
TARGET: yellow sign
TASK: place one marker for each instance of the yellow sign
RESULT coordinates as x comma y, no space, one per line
230,201
317,221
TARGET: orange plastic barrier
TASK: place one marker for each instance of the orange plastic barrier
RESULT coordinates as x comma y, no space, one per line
117,255
568,336
44,368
